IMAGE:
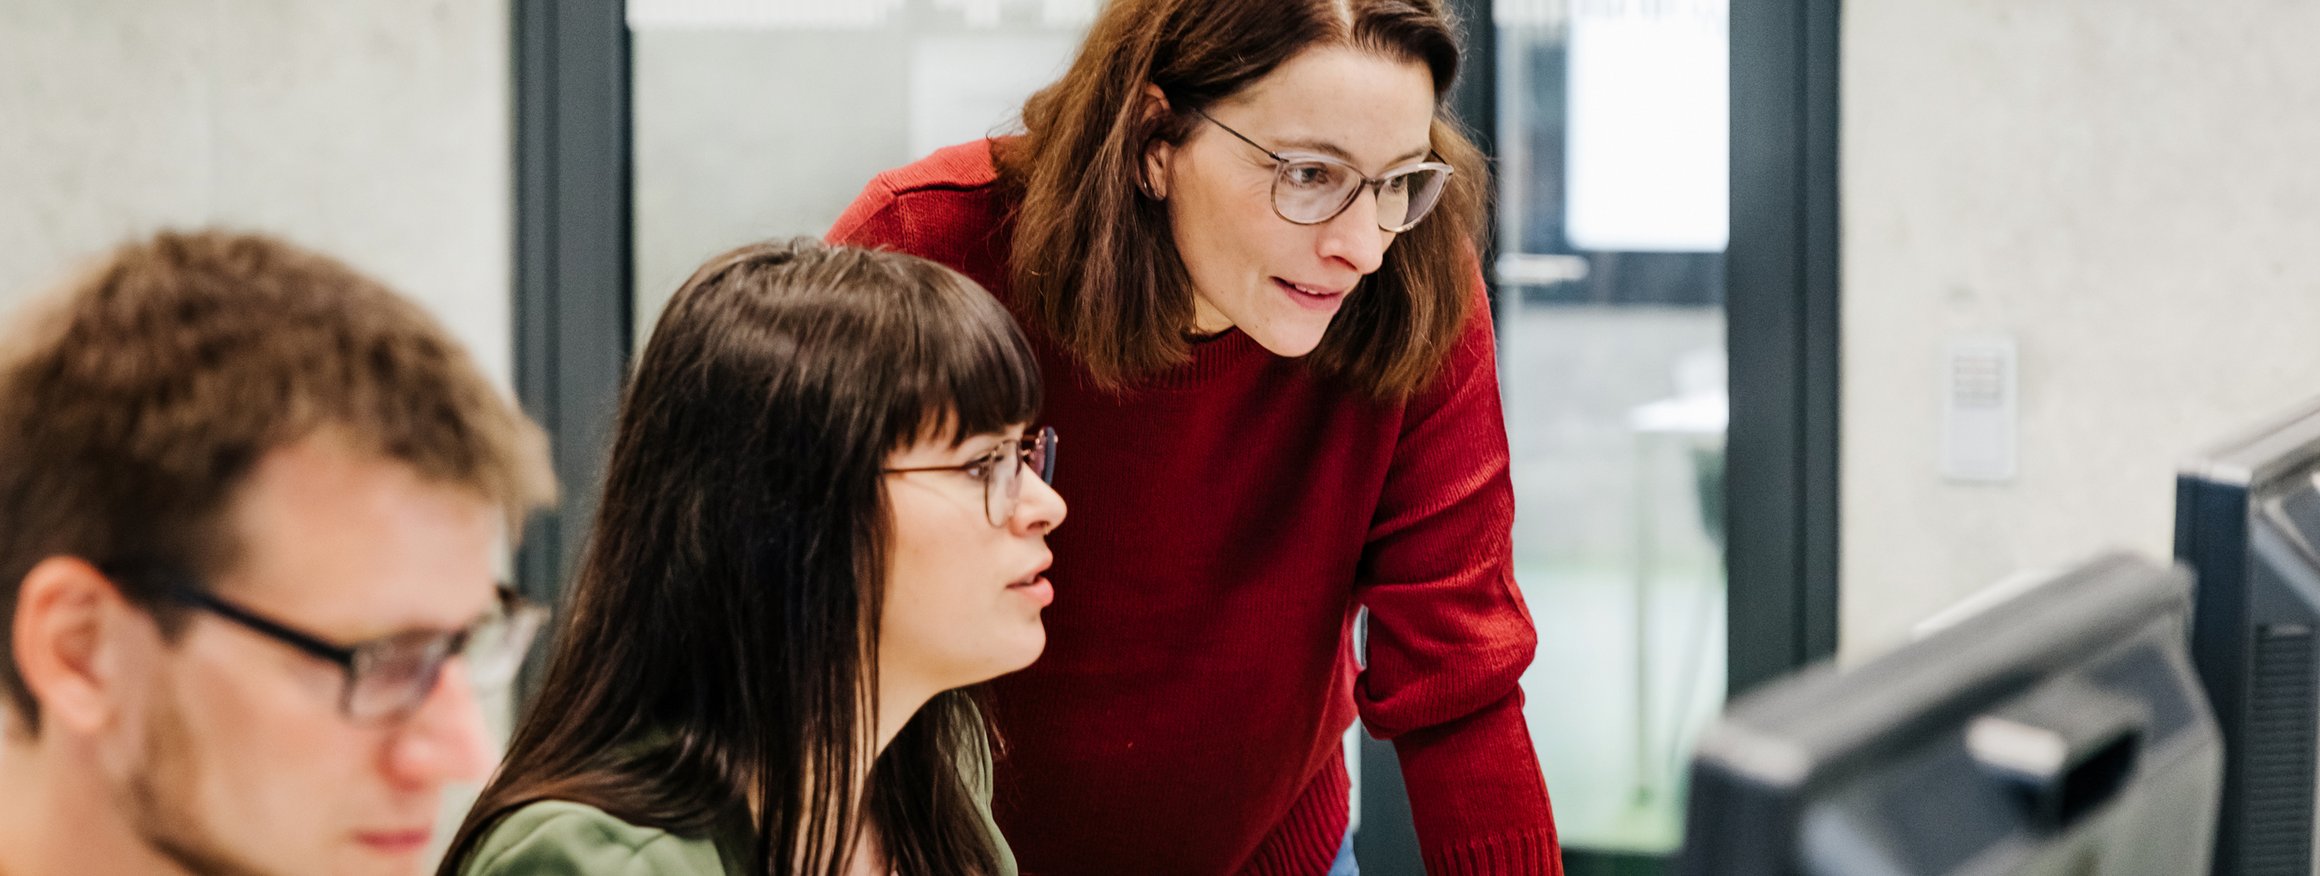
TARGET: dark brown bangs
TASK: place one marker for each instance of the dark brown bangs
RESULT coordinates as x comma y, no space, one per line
968,369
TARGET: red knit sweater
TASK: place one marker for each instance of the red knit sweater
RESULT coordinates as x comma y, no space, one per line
1226,519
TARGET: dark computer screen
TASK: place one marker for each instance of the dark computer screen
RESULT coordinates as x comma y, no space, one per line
2247,521
2059,732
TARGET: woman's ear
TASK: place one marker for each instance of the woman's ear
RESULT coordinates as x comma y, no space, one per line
1153,182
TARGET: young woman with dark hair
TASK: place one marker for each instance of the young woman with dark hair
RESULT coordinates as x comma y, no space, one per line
822,519
1242,238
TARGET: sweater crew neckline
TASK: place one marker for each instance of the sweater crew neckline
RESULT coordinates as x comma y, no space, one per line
1212,359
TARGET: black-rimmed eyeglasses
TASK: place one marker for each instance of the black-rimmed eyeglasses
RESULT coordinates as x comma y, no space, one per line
1001,471
388,678
1311,189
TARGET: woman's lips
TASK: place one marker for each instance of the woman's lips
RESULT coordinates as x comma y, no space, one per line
1310,296
1038,589
396,842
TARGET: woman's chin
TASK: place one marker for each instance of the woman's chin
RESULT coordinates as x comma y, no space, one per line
1034,644
1021,650
1290,342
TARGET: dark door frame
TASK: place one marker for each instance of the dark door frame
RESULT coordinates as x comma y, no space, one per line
572,260
573,321
1781,273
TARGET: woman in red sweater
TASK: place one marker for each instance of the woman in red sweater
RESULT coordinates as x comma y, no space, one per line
1242,239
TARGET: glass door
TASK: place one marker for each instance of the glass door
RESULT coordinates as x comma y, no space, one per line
1613,197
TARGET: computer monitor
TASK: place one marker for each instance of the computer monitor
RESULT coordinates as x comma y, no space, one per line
2059,732
2247,521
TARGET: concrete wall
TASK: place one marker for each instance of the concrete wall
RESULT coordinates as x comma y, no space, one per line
378,130
2129,190
736,141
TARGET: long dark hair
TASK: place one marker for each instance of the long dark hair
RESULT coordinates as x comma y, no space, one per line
727,605
1095,261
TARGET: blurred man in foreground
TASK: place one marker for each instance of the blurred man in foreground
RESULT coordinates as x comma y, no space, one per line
252,504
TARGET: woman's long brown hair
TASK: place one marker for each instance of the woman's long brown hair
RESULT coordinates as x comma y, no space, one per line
1094,260
715,664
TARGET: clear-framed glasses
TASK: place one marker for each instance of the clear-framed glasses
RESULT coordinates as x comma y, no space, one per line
1001,471
1311,189
388,678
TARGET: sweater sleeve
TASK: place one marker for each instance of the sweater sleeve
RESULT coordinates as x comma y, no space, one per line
1449,635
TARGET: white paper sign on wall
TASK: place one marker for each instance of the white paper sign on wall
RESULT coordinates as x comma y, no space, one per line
1979,409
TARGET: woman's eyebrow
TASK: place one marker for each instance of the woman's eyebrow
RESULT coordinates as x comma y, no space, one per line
1334,151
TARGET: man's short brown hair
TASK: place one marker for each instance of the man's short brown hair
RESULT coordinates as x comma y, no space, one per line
136,401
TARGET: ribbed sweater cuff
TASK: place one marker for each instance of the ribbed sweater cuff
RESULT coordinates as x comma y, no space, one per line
1529,853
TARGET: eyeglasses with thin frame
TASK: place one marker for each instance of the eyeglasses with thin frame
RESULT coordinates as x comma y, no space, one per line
1310,189
388,678
1001,472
